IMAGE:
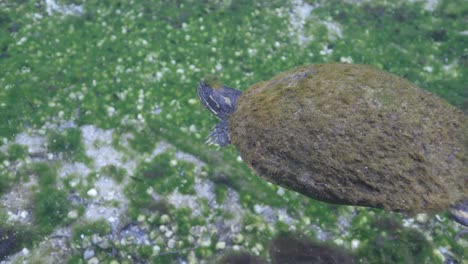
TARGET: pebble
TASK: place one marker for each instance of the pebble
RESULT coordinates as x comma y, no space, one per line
339,241
23,214
92,192
238,238
355,243
156,249
192,101
165,219
169,233
221,245
193,128
141,218
150,190
152,235
93,260
206,242
171,243
96,239
280,191
421,218
192,258
89,253
73,214
105,244
259,247
159,240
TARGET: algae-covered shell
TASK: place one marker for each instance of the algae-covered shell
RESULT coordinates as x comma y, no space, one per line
352,134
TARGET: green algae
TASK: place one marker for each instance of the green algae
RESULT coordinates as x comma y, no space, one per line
115,172
16,152
67,143
99,227
393,243
50,204
41,82
50,209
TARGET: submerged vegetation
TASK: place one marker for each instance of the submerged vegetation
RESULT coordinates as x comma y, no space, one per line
102,154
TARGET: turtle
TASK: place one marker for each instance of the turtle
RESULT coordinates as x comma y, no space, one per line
348,134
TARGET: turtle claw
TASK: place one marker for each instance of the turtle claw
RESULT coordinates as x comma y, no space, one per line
459,212
220,135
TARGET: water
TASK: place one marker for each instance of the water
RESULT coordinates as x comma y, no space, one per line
102,135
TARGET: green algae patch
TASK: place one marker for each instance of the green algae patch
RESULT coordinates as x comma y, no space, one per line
50,205
212,81
5,181
16,152
67,143
50,209
100,227
144,141
351,134
392,243
115,172
162,175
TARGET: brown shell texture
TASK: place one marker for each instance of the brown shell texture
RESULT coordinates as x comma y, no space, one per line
352,134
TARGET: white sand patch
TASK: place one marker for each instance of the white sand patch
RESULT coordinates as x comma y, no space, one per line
299,16
232,205
272,215
190,158
113,215
98,147
161,147
334,30
203,188
76,168
182,200
35,143
106,190
109,190
429,5
54,7
16,202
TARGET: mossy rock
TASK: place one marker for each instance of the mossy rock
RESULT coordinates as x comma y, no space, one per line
352,134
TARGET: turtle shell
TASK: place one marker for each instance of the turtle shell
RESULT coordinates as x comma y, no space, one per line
352,134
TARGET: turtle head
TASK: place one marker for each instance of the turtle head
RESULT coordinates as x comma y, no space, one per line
221,101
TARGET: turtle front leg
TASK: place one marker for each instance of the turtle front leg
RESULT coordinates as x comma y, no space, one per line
221,101
220,134
459,212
